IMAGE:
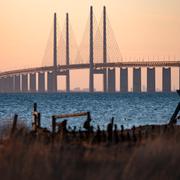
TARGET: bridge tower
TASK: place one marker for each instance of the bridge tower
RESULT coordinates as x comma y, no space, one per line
91,54
67,54
104,50
55,55
52,76
55,43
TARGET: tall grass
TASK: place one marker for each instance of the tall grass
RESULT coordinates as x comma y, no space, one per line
153,158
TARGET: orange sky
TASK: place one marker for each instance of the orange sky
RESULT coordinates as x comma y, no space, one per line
141,28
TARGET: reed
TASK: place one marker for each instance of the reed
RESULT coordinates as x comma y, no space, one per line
25,155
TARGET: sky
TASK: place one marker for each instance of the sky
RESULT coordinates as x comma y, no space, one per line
141,27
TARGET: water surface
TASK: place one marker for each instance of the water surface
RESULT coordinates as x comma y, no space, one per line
128,109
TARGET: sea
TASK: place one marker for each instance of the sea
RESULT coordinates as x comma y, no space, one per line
128,109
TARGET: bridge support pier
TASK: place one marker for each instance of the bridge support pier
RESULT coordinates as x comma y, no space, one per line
17,85
123,80
166,79
105,80
179,77
111,80
136,79
41,82
33,82
24,83
52,82
151,80
6,84
1,85
10,84
68,81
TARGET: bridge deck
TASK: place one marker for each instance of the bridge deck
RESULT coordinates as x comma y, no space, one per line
96,65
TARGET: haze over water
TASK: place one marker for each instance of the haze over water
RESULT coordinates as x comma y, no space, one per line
128,109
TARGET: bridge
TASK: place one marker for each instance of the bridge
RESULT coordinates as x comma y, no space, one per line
34,79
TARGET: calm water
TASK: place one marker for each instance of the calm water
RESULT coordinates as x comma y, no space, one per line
128,109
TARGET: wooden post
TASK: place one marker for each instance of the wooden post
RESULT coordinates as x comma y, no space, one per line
34,120
34,107
89,116
53,124
14,126
173,119
38,120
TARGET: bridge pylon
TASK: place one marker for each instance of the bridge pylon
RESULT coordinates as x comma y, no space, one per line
104,50
52,77
67,54
91,54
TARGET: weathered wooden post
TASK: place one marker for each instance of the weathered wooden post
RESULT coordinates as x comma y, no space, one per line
173,119
38,119
88,116
53,125
14,126
34,119
34,107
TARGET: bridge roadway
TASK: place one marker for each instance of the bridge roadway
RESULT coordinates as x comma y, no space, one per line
96,66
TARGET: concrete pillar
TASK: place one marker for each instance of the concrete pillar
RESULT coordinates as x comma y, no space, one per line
11,83
52,82
49,82
0,85
91,53
111,80
151,80
136,79
105,80
68,81
8,84
24,83
17,86
179,77
166,79
3,84
32,84
124,80
41,82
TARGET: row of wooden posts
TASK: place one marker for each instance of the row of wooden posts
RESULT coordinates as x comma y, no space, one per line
36,121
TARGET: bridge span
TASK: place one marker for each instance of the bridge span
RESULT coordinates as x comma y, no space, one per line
34,79
19,80
59,68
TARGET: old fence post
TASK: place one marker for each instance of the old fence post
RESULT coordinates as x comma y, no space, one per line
34,119
14,125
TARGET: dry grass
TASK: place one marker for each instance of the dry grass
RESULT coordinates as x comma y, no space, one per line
153,158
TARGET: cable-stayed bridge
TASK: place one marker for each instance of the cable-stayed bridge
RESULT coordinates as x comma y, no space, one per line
98,52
